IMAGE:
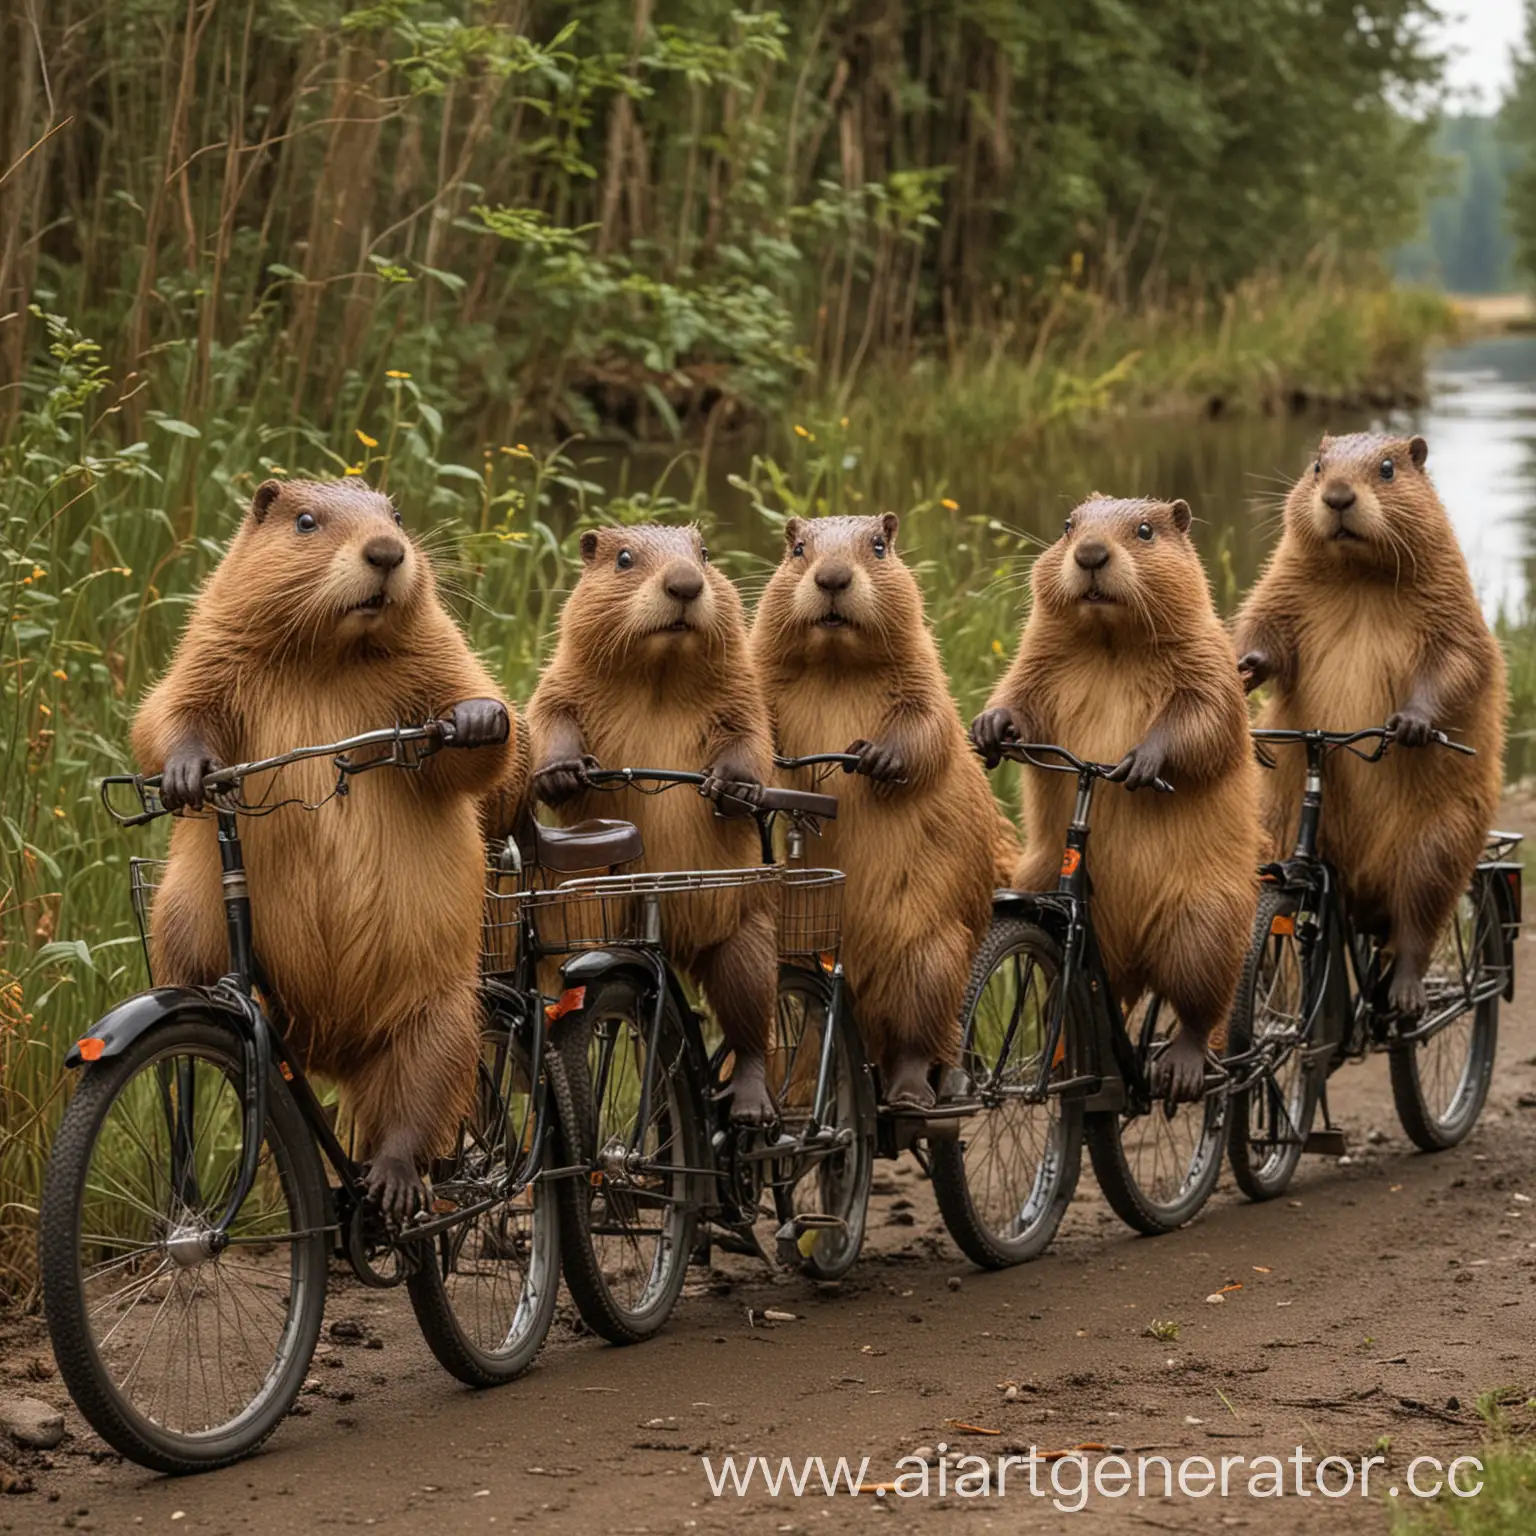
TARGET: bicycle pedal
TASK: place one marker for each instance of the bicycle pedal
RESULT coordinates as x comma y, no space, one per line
794,1241
1329,1142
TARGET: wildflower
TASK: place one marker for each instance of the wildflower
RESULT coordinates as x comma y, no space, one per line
1077,263
61,674
396,373
276,469
950,504
37,573
354,469
365,440
43,709
58,812
522,447
842,421
800,431
123,570
997,647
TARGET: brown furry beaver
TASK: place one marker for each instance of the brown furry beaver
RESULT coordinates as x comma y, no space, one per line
1124,660
1365,615
323,621
848,664
651,671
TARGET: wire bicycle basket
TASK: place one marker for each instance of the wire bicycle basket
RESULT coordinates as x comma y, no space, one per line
145,877
811,915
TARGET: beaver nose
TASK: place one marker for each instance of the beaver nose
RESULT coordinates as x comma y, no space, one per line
834,576
1340,497
383,553
1092,555
684,583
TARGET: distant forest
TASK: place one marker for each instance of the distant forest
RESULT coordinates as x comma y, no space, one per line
1466,245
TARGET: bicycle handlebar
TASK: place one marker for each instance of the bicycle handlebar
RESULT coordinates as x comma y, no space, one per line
429,736
1023,752
765,800
1335,739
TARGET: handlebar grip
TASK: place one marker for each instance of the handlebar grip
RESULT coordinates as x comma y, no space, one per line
1441,739
800,803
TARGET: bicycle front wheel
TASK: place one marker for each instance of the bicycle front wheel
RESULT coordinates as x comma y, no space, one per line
627,1228
1268,1035
485,1289
1158,1168
1440,1079
1004,1183
825,1193
181,1353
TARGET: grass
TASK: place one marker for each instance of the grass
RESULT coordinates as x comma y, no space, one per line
1506,1502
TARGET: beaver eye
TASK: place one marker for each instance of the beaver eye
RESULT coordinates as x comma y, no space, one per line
1317,468
625,560
703,555
1066,528
1144,531
1388,469
879,549
798,551
399,521
305,522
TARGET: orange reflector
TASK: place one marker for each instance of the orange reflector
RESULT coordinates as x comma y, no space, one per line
90,1048
1061,1053
286,1071
828,961
570,1000
1070,859
1282,923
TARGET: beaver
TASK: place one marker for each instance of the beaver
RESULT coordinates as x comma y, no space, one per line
651,670
1123,660
322,621
849,664
1365,615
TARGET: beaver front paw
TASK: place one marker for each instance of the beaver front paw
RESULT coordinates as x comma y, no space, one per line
395,1186
562,780
751,1102
732,786
1255,668
991,731
1140,767
1178,1074
476,723
181,780
1411,726
879,760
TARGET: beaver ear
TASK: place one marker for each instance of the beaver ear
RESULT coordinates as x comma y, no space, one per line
794,531
1418,451
889,522
588,547
1182,516
266,493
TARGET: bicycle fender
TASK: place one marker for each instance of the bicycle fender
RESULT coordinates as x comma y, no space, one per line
1047,909
119,1027
594,965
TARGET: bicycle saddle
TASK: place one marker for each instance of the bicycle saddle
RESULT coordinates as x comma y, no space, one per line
588,845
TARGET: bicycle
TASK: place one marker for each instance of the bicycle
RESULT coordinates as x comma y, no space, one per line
1049,1060
646,1098
186,1214
1314,995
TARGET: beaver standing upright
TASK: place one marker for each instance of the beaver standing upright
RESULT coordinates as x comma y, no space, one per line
322,621
1365,614
651,671
1124,660
849,664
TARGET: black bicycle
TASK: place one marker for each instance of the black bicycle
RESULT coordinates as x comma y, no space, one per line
645,1094
1049,1058
1314,994
186,1215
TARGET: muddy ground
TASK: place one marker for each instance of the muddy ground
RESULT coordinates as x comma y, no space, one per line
1376,1303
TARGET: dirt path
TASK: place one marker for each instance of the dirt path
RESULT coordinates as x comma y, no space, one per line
1385,1280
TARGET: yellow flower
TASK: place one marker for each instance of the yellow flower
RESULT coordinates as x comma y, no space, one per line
997,647
37,573
396,373
43,709
58,811
950,505
800,431
276,469
365,440
522,447
61,674
354,469
123,570
842,421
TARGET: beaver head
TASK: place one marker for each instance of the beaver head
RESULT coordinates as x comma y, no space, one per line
325,560
1122,567
1365,503
841,591
648,594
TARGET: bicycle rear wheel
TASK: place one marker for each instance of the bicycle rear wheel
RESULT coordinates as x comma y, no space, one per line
1158,1168
1272,1114
627,1229
181,1354
484,1291
1440,1081
1004,1183
828,1193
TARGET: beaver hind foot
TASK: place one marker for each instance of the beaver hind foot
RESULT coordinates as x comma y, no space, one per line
1406,992
393,1183
907,1085
1178,1074
751,1102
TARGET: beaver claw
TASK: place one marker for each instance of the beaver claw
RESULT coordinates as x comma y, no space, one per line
1410,727
562,779
1406,992
991,731
879,760
1139,767
731,788
395,1186
1178,1074
181,781
476,723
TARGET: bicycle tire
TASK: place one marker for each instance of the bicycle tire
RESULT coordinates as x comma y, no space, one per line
995,1227
69,1308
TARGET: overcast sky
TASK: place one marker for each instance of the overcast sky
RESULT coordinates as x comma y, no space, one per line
1479,35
